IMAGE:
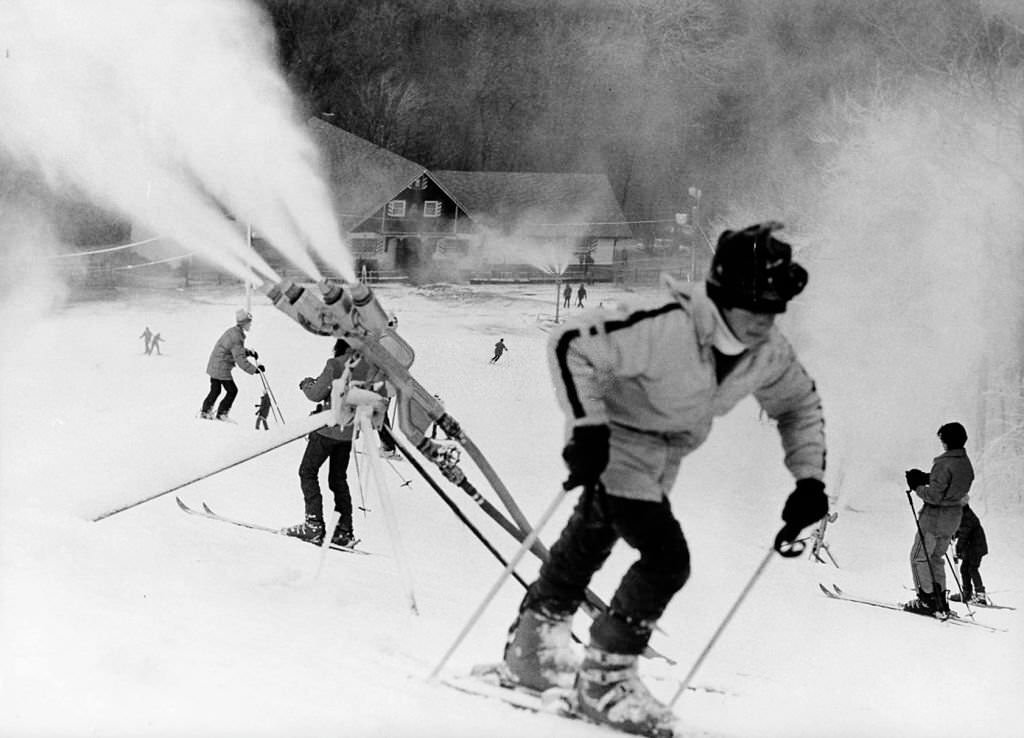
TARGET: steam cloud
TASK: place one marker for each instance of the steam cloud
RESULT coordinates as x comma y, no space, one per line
171,115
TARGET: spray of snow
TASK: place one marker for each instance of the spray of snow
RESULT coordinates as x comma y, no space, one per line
913,297
172,115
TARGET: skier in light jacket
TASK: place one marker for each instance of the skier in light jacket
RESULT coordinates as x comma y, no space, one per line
943,493
227,353
640,387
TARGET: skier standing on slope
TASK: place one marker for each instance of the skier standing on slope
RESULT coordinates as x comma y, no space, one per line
944,493
331,444
641,387
227,353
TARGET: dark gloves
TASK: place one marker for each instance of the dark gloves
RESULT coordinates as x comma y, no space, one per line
260,368
253,354
586,455
805,505
916,478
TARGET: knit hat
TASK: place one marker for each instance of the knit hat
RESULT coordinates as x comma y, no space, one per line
242,316
754,271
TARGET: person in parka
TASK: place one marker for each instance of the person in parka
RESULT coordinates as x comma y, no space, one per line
971,547
640,387
227,353
333,445
943,493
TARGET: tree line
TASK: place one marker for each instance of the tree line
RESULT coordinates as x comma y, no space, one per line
661,95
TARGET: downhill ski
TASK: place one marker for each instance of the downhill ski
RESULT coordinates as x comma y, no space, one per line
835,593
206,512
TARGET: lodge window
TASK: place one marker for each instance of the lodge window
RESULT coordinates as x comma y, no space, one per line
432,209
396,209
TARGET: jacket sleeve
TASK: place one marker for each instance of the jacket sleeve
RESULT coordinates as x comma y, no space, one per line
238,354
791,399
584,356
320,388
939,480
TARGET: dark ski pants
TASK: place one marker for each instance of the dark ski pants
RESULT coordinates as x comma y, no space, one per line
320,448
597,522
230,392
970,575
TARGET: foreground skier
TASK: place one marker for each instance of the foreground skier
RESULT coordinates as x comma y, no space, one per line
640,388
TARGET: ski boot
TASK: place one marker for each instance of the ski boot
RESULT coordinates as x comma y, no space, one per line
609,691
539,653
924,604
980,598
343,536
207,415
311,529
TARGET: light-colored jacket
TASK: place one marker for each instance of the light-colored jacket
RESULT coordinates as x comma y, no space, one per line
649,373
229,352
949,480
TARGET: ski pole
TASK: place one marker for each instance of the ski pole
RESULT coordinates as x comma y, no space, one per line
273,400
525,546
721,626
963,597
924,548
390,520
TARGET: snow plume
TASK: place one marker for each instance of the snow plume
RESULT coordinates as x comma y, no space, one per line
172,115
29,248
914,297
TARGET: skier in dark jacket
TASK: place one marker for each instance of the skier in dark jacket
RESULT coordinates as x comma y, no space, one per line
331,444
567,295
227,353
943,492
640,386
971,546
499,349
581,295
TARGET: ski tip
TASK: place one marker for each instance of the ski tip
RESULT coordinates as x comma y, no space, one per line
182,505
826,591
207,509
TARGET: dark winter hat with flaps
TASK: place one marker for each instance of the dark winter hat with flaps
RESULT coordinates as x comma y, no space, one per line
754,271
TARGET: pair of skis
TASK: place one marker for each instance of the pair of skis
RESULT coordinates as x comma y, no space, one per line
209,514
490,681
835,593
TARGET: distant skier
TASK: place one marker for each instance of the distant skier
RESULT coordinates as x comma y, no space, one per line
944,494
581,295
567,295
155,343
640,387
147,336
227,353
499,349
971,547
262,411
328,444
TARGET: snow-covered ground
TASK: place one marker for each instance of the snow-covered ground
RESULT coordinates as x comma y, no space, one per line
155,623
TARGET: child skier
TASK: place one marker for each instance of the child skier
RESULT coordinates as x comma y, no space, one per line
971,546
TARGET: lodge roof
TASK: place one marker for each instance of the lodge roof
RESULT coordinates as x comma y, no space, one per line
362,175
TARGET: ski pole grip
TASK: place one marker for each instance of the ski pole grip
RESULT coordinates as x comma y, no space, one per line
786,543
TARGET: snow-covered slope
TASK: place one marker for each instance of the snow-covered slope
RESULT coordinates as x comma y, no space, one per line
156,623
